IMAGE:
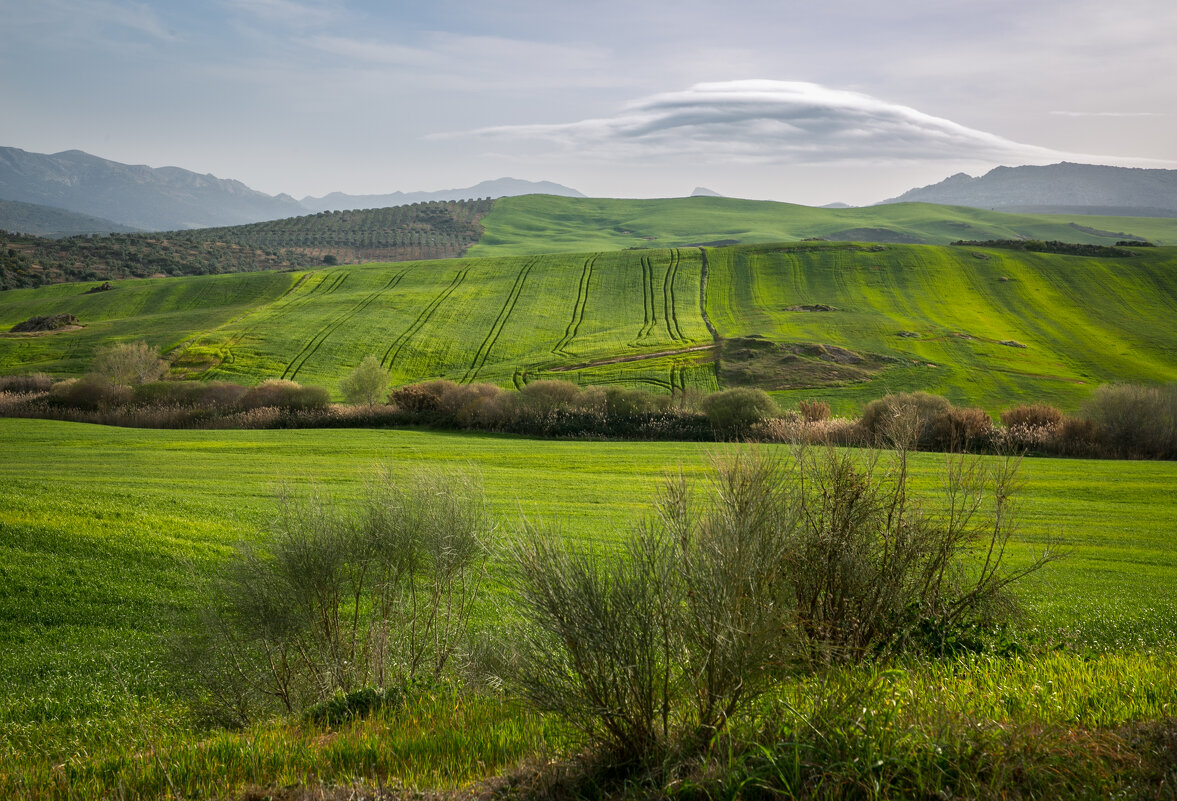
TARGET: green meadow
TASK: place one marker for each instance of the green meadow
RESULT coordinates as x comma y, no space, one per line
107,537
534,224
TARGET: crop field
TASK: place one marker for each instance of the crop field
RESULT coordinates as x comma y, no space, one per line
532,224
838,321
107,536
984,327
500,320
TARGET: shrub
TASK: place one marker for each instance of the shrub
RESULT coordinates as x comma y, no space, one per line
25,384
734,410
785,564
1035,415
905,418
814,411
342,600
160,393
622,403
89,392
548,395
962,430
129,363
1134,420
420,398
282,394
366,383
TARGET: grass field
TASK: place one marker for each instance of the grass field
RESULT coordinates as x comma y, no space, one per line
982,327
987,328
531,224
106,535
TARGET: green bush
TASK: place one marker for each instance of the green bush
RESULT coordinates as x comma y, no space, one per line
129,363
366,383
905,419
736,410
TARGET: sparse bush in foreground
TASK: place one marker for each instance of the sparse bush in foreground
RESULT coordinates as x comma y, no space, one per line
339,600
786,565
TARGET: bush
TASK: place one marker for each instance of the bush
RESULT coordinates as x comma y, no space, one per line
165,393
905,419
420,398
90,392
366,383
25,384
342,600
1134,420
962,430
734,410
814,411
785,565
129,363
1037,415
282,394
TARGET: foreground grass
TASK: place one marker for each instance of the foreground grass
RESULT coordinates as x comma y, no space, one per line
106,534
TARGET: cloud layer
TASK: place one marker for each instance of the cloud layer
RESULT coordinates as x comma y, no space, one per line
777,122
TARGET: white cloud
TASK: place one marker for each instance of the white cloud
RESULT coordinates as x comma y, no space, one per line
777,122
1110,114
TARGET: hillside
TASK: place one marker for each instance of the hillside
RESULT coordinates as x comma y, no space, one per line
418,231
843,322
540,224
1058,188
47,221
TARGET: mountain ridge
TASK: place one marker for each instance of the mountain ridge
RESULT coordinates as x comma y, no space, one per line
1065,188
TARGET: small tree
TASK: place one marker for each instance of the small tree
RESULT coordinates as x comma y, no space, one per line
366,383
129,363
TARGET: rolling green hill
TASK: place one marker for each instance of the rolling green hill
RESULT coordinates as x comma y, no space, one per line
526,226
542,224
840,321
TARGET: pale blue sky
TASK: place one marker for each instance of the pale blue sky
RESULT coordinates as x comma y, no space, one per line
799,101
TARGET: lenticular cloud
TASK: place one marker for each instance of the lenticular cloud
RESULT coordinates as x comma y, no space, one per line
777,121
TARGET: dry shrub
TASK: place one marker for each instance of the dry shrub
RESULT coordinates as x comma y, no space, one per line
1038,415
89,392
792,428
25,384
814,411
906,418
282,394
420,398
962,430
548,395
1134,420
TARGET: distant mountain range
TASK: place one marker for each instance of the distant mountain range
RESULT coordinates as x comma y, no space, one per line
171,198
1058,189
501,187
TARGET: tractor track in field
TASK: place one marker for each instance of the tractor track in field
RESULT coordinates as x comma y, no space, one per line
496,328
649,310
704,273
668,300
564,368
398,344
312,345
582,292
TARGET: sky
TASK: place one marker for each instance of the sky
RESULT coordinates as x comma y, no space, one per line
801,101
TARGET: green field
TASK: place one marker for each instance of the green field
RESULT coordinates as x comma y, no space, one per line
943,319
106,536
532,224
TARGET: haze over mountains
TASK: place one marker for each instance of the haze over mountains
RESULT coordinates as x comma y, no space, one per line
171,198
119,197
1058,189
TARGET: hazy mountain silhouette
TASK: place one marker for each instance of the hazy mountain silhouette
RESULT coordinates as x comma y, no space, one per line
1058,188
501,187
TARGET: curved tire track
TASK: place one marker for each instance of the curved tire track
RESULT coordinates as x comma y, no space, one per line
496,328
398,344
